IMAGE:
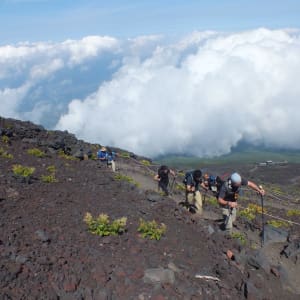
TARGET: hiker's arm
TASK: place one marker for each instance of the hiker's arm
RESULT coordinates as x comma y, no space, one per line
205,187
254,187
190,188
223,202
156,177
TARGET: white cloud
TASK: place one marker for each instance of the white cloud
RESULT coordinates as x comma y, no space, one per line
201,94
201,100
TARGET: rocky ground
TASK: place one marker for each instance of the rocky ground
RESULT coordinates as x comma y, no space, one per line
47,252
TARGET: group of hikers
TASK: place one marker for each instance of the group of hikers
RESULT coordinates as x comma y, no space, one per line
108,157
226,191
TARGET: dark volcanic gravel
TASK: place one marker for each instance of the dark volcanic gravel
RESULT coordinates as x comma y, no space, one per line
46,251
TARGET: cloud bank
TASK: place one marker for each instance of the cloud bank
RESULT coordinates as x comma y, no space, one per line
199,95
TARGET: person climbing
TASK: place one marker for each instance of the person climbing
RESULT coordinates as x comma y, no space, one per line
107,156
212,183
162,177
193,183
228,196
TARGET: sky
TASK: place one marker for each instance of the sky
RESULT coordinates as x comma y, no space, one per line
155,77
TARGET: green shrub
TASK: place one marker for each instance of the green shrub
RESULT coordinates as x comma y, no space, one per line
5,139
145,162
213,201
19,170
36,152
151,229
180,187
62,154
240,237
278,223
103,227
4,154
48,178
251,211
121,177
124,155
293,212
51,169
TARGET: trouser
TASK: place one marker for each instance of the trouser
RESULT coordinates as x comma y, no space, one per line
195,199
164,186
112,164
229,216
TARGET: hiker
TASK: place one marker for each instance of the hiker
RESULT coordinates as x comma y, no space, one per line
107,156
193,183
212,183
228,196
162,177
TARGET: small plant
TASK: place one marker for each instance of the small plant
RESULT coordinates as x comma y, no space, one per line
62,154
146,163
102,226
180,187
240,237
251,211
121,177
124,155
51,177
151,229
48,178
19,170
278,223
5,139
4,154
212,201
293,212
36,152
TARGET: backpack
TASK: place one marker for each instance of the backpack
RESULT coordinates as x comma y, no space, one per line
188,174
161,171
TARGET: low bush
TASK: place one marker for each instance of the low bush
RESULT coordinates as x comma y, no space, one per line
151,229
103,227
278,223
22,171
36,152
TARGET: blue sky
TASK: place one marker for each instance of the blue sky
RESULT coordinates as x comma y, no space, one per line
57,20
73,65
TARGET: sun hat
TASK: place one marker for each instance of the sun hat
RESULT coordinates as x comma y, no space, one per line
235,178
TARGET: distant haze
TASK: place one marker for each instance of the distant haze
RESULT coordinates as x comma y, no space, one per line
200,94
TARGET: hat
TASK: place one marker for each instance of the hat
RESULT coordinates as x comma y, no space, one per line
103,149
235,178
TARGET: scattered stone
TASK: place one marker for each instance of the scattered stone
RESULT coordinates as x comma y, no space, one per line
159,275
42,236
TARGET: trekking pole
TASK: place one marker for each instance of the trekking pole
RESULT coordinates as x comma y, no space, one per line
262,219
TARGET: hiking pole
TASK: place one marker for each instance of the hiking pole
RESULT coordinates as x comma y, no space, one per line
262,219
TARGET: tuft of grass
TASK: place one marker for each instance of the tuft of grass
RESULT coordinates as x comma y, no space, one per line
146,163
22,171
180,187
62,154
51,177
240,237
102,225
293,212
251,211
36,152
128,179
5,139
213,201
278,223
151,229
124,155
5,154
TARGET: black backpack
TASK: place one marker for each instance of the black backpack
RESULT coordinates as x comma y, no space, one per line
161,171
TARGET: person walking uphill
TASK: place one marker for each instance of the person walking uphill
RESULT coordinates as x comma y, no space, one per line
162,177
228,196
193,183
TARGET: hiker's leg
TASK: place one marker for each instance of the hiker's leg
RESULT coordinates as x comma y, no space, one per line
190,198
229,216
113,166
164,186
198,202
